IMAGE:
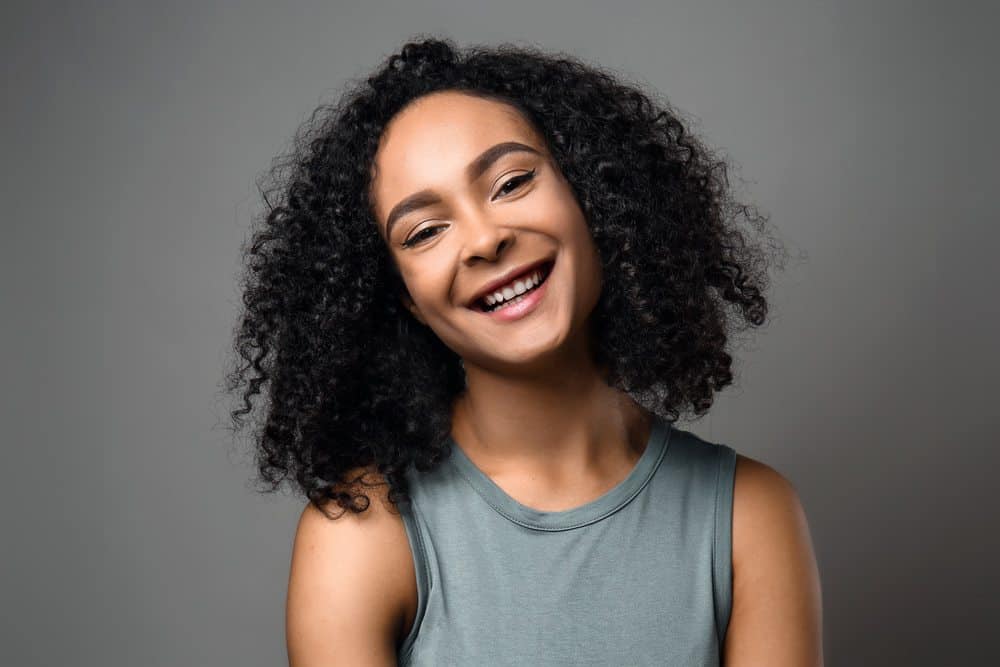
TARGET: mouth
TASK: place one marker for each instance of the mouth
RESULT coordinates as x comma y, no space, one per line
544,270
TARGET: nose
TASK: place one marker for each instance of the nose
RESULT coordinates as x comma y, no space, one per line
485,238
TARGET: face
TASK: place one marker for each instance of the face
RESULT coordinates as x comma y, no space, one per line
464,192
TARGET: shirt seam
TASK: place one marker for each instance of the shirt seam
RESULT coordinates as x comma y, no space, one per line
424,574
554,529
715,547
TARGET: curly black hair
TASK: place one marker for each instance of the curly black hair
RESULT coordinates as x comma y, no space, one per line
354,383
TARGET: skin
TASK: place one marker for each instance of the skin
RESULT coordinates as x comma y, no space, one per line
537,416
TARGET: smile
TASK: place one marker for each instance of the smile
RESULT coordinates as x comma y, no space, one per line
517,298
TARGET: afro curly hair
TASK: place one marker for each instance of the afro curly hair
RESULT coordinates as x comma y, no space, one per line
353,383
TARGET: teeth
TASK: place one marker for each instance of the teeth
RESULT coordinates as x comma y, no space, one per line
515,288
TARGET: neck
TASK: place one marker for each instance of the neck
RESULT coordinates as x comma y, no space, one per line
556,428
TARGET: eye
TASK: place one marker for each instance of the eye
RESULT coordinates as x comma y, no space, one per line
516,182
509,186
419,237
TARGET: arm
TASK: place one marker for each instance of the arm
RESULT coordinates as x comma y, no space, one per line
346,588
776,618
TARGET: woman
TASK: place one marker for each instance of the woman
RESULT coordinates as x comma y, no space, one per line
487,283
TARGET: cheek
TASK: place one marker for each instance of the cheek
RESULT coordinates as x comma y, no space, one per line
587,256
577,234
568,219
428,284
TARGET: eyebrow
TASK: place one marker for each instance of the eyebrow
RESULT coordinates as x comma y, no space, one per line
474,170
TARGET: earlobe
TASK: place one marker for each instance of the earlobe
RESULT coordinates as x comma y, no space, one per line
412,307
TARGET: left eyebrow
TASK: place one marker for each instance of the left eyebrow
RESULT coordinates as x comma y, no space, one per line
474,170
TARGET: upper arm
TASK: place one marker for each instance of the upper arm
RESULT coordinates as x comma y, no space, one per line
776,615
345,602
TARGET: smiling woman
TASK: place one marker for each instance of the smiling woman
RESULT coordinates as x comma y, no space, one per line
486,284
479,176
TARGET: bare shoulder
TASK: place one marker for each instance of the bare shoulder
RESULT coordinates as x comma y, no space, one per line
776,616
351,584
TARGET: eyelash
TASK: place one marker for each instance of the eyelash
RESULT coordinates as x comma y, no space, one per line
417,238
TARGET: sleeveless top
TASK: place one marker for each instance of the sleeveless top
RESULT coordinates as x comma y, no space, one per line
642,575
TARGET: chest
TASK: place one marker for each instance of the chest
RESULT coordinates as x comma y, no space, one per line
628,591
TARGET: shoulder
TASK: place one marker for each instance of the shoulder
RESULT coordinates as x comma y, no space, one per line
350,576
776,613
763,500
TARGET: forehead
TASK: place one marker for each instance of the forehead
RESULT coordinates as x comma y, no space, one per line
431,141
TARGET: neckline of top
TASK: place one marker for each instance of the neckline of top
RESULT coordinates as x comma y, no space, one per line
595,510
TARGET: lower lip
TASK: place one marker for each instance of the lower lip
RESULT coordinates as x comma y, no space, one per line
523,307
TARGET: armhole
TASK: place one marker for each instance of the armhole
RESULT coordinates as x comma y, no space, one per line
722,544
408,512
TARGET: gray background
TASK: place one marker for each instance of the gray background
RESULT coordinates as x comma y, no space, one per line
132,137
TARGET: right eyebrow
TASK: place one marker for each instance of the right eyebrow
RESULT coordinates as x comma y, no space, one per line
474,170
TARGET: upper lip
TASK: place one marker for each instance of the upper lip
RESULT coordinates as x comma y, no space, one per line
506,277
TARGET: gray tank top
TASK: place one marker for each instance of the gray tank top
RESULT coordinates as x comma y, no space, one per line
641,575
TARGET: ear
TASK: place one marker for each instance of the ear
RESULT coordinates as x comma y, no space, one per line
412,307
